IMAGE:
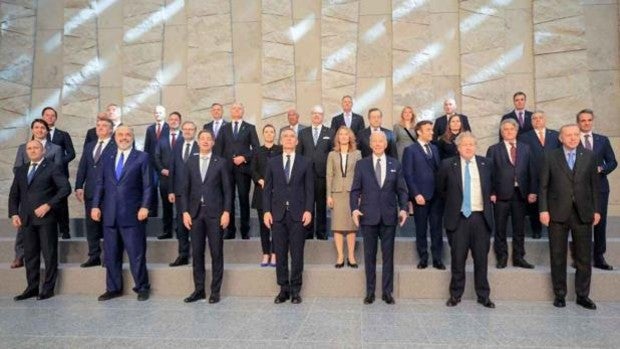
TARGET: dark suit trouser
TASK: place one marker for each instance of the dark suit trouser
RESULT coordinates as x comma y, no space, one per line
515,208
41,239
242,182
182,234
166,206
265,234
94,233
600,230
289,237
62,215
132,239
154,200
582,241
425,215
319,216
207,228
534,214
472,235
19,243
372,234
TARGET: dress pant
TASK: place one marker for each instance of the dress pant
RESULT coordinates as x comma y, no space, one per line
166,206
425,216
515,208
182,234
62,215
94,233
154,197
534,214
41,239
242,182
471,235
19,243
318,227
265,234
582,242
289,237
207,228
371,235
132,239
600,230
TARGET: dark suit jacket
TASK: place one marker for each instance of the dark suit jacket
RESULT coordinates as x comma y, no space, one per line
177,167
504,173
605,158
245,144
363,142
216,189
561,188
63,140
150,139
298,192
450,187
441,125
217,148
538,151
120,200
420,171
357,123
527,123
318,154
259,167
53,153
163,151
378,204
49,185
91,135
86,177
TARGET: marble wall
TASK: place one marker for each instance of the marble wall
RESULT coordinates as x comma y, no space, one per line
80,55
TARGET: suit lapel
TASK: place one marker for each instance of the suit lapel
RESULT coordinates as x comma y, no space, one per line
561,157
212,162
482,170
39,169
128,162
456,172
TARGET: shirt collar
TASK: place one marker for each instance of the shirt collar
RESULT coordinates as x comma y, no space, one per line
205,156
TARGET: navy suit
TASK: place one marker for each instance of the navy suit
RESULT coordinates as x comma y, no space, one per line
467,233
511,199
86,179
162,160
150,146
363,142
527,122
218,147
420,171
357,123
176,177
379,206
287,201
441,125
119,201
205,201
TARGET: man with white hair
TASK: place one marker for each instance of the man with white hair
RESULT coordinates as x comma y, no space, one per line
441,123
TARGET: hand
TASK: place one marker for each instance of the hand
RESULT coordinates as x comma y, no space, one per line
545,218
171,198
143,213
330,202
95,214
419,199
493,198
187,221
79,194
165,172
42,210
224,219
531,198
599,169
268,219
17,222
402,217
356,217
239,160
597,218
306,218
261,182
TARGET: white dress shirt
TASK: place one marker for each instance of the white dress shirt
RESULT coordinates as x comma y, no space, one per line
477,205
105,144
583,139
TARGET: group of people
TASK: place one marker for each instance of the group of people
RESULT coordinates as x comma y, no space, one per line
370,178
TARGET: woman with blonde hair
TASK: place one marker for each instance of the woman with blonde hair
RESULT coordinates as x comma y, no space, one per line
404,130
339,177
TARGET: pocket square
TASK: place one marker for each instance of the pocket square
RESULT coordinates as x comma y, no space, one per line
326,137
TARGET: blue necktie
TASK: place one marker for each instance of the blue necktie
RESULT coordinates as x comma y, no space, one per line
236,129
466,206
571,160
119,166
30,175
287,168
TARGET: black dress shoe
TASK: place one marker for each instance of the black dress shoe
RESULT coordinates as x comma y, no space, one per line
439,265
296,299
164,236
281,297
25,295
179,261
388,299
44,296
196,296
214,298
586,303
522,263
245,237
321,236
453,301
66,235
559,302
109,295
422,264
351,265
603,265
91,262
501,263
486,302
536,236
143,295
370,298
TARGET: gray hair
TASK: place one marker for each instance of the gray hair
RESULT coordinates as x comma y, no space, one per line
464,135
510,121
317,109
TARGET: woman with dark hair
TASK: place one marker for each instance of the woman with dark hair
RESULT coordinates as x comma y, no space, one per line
445,143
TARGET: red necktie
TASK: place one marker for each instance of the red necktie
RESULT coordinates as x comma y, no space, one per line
158,131
174,140
513,154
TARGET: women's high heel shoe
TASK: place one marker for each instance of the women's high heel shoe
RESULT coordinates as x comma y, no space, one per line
351,265
339,265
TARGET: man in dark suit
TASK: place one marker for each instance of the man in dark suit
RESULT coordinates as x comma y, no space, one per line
540,140
166,145
180,155
464,182
513,186
63,140
522,116
122,196
378,202
288,200
441,123
315,143
85,182
606,163
36,188
154,132
206,199
569,200
375,118
348,118
215,125
292,117
239,141
420,165
113,112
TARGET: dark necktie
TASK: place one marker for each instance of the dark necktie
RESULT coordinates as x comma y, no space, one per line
378,171
513,154
186,152
315,135
586,140
429,153
158,131
173,141
236,129
287,168
521,119
98,151
33,169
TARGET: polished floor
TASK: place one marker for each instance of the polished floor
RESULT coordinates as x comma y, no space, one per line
82,322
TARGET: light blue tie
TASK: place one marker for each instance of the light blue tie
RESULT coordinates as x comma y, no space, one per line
571,160
466,206
119,166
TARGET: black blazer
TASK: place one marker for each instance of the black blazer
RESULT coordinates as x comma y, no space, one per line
363,142
86,177
538,151
357,123
318,154
504,173
49,185
441,125
259,167
562,189
150,139
450,187
177,167
217,147
527,123
63,139
215,190
244,144
298,192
